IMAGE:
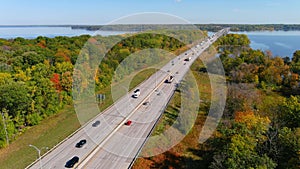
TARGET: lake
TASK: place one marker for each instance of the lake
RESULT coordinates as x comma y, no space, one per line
281,43
29,32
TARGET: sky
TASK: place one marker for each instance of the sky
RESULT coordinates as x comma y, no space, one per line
91,12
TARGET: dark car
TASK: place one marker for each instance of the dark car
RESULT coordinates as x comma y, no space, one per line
96,123
72,162
80,143
128,123
146,103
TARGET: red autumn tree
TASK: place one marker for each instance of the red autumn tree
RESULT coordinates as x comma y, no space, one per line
56,81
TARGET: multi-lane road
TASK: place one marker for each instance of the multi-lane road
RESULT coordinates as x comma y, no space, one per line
111,144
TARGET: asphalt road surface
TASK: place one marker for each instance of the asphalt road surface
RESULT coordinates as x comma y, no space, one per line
112,144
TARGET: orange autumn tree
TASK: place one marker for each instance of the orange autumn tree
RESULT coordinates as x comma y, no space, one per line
252,122
248,117
63,55
56,81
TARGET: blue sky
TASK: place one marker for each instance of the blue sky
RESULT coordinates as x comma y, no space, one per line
39,12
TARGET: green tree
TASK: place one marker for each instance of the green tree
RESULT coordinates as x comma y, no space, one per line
14,98
290,111
295,64
289,147
7,127
240,152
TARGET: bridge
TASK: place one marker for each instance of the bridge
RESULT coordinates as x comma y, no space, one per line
110,143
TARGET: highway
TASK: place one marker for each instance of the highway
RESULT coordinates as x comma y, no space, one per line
112,144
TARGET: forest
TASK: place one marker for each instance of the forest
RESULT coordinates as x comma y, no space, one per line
206,27
36,74
260,125
35,80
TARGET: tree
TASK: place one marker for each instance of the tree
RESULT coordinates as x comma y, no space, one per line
289,146
240,152
14,98
7,128
63,67
56,81
296,56
66,82
5,78
290,111
295,64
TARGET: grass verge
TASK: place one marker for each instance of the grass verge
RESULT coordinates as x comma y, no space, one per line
52,130
55,128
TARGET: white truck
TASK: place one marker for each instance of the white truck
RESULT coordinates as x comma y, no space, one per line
188,58
136,93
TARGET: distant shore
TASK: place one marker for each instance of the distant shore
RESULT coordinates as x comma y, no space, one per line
207,27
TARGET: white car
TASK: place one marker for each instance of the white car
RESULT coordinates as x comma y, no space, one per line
136,93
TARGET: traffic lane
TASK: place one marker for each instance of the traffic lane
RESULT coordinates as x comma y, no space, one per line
109,155
124,101
127,141
112,117
64,156
150,113
135,131
67,149
115,153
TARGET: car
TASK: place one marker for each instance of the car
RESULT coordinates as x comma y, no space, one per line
146,103
81,143
128,123
72,162
170,79
188,59
136,93
96,123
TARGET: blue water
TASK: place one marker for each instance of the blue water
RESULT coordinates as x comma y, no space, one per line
33,32
280,43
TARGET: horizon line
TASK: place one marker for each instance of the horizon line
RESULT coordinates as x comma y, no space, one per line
61,25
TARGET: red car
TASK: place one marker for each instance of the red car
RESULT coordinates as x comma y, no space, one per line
128,123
